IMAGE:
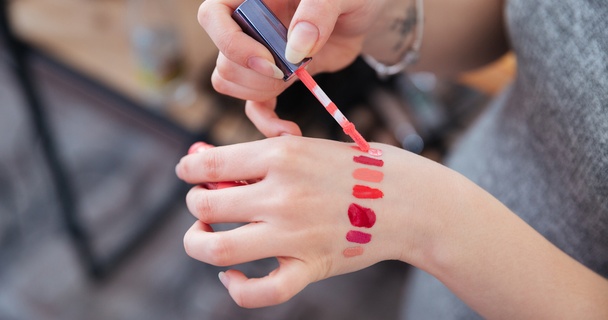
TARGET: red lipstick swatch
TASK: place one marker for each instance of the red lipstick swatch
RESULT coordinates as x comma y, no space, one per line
358,237
364,192
368,161
361,216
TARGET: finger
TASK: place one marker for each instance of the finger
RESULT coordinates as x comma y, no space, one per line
231,72
238,91
264,118
228,163
243,244
279,286
229,205
310,28
215,17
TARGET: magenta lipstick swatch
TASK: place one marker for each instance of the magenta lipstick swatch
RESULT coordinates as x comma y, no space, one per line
368,161
358,237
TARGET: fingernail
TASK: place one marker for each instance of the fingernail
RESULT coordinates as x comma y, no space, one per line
177,168
300,41
224,279
265,67
285,134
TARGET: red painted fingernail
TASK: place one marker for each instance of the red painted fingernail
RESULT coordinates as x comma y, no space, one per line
198,147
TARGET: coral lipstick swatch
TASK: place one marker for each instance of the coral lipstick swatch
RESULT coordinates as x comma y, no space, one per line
352,252
358,215
369,175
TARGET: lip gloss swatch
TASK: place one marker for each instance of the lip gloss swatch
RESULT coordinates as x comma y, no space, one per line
364,192
375,152
368,175
360,216
352,252
371,151
368,161
358,237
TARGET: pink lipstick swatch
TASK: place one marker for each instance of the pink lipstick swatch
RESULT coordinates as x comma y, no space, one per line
361,216
358,237
368,161
368,175
364,192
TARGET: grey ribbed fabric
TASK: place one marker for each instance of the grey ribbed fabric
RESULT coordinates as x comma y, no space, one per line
542,147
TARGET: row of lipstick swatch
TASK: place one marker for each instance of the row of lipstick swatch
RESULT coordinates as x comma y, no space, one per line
362,217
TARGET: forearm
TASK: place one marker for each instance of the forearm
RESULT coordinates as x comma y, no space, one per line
458,35
503,268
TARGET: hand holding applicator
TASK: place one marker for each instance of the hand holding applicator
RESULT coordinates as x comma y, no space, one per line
260,23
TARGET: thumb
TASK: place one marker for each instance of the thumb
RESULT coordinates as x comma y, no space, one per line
279,286
310,28
264,118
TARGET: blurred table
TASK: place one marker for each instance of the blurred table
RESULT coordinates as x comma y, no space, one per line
92,37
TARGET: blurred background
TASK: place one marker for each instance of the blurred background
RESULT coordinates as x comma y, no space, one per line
98,101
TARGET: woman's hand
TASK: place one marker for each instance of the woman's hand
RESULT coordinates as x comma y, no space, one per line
331,31
324,208
304,211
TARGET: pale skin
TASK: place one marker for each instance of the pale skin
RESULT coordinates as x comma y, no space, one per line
430,216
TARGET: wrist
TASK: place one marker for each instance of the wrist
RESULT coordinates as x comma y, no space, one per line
395,38
439,210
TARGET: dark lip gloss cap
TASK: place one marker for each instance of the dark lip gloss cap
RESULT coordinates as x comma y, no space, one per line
256,20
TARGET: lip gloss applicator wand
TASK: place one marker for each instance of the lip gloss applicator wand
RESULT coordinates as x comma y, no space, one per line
256,20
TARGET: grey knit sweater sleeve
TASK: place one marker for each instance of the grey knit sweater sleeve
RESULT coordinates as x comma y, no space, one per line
542,147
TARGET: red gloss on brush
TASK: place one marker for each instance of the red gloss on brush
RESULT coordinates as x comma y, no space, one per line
347,126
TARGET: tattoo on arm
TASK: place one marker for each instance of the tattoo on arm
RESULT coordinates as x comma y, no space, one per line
404,26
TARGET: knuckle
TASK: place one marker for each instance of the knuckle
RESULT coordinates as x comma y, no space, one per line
286,153
229,47
240,299
280,292
212,163
219,251
218,82
205,209
223,67
200,205
185,168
